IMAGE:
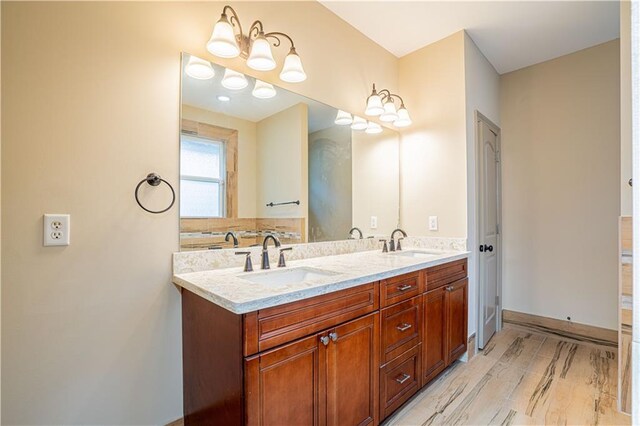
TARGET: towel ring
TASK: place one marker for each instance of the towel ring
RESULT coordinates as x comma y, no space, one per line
154,179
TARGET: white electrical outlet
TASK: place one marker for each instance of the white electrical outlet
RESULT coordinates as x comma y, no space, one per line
374,222
56,229
433,223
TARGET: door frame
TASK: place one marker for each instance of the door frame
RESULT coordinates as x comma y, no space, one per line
478,119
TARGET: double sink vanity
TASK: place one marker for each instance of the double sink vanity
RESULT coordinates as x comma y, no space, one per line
327,329
338,340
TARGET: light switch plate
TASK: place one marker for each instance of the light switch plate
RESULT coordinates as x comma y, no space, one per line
56,230
374,222
433,223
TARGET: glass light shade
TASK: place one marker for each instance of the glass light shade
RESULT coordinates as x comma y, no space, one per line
223,40
374,106
234,80
199,68
359,123
390,113
343,118
373,128
260,58
263,90
403,118
292,71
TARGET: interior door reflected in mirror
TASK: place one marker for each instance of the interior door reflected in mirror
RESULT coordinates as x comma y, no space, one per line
256,159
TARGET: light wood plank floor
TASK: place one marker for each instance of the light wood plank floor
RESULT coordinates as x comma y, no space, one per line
522,378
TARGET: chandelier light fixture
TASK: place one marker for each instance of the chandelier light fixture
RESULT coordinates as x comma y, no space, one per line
262,90
253,46
343,118
234,80
382,104
199,68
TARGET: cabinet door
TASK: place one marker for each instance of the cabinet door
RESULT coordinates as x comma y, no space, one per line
350,373
281,385
456,320
434,348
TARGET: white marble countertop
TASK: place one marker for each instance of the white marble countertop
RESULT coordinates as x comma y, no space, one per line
226,288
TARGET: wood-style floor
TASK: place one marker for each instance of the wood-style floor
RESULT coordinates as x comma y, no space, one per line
523,378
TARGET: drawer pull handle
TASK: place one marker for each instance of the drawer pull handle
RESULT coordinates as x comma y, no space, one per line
404,327
324,340
403,378
404,287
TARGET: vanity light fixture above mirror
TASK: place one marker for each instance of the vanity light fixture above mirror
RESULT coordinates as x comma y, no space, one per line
253,46
343,118
199,68
382,104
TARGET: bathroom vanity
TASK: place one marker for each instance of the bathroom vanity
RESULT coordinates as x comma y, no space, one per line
345,347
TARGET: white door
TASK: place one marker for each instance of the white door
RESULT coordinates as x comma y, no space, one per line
488,235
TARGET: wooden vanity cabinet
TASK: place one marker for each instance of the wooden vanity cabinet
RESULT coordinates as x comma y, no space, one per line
328,379
434,348
350,357
445,326
457,308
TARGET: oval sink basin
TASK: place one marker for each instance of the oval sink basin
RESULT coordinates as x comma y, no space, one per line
417,253
286,276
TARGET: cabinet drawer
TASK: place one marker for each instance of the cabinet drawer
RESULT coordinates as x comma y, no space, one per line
397,289
445,274
399,380
401,328
271,327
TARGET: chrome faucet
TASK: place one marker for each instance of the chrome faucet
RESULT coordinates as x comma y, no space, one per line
355,228
234,236
392,243
265,252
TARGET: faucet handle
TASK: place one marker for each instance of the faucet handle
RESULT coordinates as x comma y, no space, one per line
281,262
385,248
248,265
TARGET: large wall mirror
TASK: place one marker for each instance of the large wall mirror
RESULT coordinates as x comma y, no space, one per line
257,159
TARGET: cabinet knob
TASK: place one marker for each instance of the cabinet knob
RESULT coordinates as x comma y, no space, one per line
324,340
449,288
402,378
404,327
333,336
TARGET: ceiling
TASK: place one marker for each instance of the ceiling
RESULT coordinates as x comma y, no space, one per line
511,34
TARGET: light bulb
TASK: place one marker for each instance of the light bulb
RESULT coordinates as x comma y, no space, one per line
260,58
390,113
343,118
223,40
263,90
373,128
374,105
359,123
403,118
234,80
292,71
199,68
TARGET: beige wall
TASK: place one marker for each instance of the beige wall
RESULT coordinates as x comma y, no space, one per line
433,149
375,181
282,163
330,188
482,94
91,332
246,153
561,170
625,108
